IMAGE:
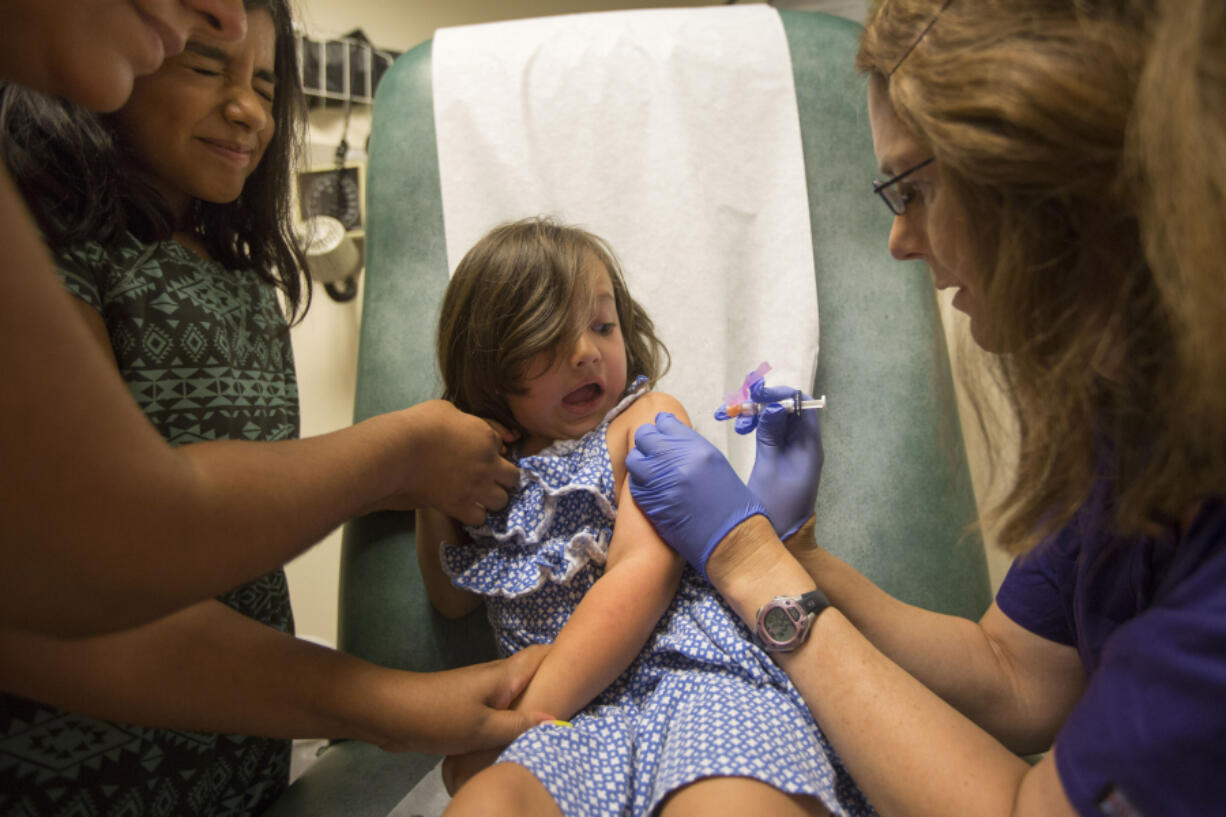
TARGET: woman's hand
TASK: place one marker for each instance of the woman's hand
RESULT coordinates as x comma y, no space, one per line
451,461
788,463
687,488
464,710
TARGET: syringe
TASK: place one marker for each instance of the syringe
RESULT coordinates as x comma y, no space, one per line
794,406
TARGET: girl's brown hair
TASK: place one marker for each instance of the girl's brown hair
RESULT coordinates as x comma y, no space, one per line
1027,107
510,300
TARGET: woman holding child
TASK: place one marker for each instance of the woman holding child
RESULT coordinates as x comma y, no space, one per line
169,224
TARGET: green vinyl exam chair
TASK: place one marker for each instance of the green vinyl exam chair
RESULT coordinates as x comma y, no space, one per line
896,498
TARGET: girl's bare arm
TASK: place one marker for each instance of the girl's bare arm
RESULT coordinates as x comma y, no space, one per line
434,528
614,620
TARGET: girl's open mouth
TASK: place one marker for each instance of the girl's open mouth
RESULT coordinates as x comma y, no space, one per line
583,397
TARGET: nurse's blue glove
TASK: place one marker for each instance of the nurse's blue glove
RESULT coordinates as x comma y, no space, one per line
788,463
686,488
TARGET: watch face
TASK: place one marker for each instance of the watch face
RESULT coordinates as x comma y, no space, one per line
778,624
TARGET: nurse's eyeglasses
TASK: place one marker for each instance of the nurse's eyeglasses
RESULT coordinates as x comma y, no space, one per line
894,197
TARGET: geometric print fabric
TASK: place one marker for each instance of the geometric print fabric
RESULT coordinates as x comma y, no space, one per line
204,350
206,353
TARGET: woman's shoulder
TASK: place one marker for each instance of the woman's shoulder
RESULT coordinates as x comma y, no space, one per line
88,267
104,255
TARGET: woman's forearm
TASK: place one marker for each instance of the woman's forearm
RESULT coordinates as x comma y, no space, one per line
967,663
167,527
205,668
105,525
208,668
912,753
927,645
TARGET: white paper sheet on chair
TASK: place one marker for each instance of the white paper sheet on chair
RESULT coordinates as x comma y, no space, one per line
671,133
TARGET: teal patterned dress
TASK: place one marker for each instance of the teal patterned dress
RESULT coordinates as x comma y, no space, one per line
206,352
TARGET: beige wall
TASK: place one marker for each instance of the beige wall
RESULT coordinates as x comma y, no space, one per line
325,343
401,24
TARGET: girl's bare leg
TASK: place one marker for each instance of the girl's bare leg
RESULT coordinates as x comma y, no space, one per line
738,796
503,790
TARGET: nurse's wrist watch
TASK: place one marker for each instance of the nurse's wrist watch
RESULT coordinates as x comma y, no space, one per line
783,622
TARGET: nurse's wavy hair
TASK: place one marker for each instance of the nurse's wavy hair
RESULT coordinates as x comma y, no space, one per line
1177,159
1110,359
511,299
82,184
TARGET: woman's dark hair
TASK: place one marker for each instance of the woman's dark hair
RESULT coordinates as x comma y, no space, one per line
81,184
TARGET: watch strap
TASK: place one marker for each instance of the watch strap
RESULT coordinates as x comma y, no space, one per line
814,602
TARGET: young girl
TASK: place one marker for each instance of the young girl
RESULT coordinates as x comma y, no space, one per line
171,227
670,701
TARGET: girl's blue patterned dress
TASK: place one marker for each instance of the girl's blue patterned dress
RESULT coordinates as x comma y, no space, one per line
700,700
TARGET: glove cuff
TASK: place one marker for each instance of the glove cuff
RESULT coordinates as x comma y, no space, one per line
783,537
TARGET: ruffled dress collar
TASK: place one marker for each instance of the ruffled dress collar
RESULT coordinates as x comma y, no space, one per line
558,521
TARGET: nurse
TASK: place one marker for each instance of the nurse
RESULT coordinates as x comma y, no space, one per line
1060,169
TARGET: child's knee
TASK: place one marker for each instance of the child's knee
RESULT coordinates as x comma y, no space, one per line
502,790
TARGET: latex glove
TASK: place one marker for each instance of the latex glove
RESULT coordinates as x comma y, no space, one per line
788,463
686,488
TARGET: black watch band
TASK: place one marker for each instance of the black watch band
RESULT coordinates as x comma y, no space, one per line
814,602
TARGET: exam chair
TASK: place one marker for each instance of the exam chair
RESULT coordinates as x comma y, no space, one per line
896,498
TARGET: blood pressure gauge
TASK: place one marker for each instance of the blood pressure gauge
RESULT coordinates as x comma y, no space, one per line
336,193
